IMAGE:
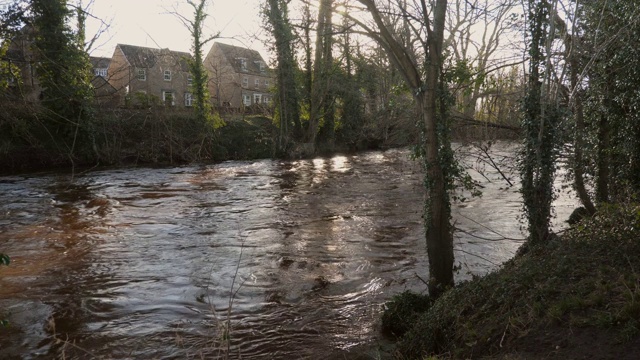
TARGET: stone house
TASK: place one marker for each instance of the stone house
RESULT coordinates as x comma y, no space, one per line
238,77
105,93
142,76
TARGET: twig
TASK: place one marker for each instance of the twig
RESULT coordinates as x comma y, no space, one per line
490,229
505,331
487,239
421,279
478,256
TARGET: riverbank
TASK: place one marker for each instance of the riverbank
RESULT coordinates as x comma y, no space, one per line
577,297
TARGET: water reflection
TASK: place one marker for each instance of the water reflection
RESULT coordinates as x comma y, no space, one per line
284,256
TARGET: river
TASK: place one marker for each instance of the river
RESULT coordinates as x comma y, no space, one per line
255,260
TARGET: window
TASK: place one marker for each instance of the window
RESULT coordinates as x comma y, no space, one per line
243,64
266,83
262,67
100,72
142,74
245,82
188,99
246,100
189,80
266,100
257,82
167,75
257,98
168,98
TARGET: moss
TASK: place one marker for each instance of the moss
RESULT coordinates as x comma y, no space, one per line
585,278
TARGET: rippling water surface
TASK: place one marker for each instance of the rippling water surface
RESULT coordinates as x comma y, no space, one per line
253,260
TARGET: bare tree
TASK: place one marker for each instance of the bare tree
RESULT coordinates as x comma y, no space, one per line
476,32
421,68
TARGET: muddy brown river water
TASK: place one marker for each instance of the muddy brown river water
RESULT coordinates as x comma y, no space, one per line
253,260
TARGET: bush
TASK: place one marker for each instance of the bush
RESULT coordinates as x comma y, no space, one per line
402,311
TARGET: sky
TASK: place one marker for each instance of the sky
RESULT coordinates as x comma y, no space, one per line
151,23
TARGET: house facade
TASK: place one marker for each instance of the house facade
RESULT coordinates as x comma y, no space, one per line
238,77
143,76
105,93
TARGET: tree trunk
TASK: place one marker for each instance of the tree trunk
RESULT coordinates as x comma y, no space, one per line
289,112
320,68
438,228
603,160
439,236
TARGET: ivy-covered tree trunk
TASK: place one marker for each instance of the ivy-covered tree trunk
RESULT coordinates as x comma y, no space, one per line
202,106
541,117
439,234
320,102
64,71
288,110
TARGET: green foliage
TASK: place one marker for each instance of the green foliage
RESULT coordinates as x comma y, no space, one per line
402,311
64,73
5,259
251,138
612,99
9,73
200,79
276,21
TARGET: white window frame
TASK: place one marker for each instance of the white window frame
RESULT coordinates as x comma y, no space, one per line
243,64
257,98
142,74
245,81
266,100
246,100
167,75
164,97
266,82
188,99
257,82
189,80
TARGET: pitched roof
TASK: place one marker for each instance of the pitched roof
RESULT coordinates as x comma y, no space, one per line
99,62
144,57
234,53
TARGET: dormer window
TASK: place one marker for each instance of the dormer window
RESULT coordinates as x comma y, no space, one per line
142,75
261,65
243,64
167,75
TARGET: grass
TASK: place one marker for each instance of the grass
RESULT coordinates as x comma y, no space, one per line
587,278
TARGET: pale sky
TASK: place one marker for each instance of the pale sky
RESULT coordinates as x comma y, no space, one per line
149,23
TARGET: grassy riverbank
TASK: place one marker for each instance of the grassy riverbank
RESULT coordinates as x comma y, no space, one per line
576,297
